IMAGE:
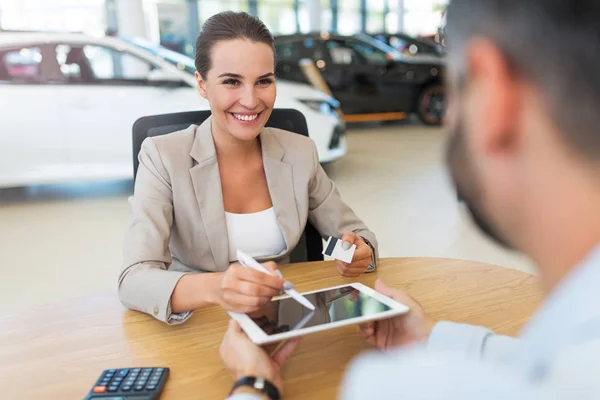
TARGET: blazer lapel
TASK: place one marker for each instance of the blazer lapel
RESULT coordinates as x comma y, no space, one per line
209,193
281,187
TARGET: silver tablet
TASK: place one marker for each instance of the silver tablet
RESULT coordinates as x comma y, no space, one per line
284,318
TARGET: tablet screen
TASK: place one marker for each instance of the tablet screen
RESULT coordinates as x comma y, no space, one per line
331,305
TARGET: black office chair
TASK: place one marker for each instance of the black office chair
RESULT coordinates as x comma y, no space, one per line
310,247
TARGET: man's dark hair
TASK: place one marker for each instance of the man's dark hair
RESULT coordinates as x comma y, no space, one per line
554,44
229,25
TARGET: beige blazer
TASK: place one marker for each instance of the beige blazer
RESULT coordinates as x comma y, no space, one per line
178,219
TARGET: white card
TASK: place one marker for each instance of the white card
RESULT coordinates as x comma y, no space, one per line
333,248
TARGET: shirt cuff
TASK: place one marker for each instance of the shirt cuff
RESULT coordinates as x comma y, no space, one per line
373,264
176,319
464,339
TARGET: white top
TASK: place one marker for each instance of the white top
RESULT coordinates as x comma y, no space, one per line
555,357
256,234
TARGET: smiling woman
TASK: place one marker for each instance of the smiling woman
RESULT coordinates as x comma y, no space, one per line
203,193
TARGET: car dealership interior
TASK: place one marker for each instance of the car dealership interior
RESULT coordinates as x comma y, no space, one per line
366,76
64,220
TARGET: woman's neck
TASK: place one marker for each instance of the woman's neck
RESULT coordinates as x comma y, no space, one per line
230,147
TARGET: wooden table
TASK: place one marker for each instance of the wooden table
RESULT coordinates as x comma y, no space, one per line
57,351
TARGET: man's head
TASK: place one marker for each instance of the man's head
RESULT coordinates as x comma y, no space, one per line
524,83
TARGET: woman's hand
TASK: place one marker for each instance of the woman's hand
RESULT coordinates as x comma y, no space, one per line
244,358
361,259
246,290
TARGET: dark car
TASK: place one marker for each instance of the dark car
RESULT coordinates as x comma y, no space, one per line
371,80
410,45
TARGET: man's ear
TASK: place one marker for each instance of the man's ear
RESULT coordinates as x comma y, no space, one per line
493,97
200,84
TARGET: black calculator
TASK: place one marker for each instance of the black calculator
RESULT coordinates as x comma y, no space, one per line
129,384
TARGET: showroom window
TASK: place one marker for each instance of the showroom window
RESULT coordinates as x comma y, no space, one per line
304,16
208,8
90,63
348,17
375,16
278,15
21,65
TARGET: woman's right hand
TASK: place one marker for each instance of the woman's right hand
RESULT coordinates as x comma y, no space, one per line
247,290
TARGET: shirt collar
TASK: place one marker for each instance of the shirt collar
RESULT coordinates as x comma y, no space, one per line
568,313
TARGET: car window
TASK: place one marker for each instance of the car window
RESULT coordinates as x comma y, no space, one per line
21,65
289,52
370,54
295,51
398,43
341,54
98,64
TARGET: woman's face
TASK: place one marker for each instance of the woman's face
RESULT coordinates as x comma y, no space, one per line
240,87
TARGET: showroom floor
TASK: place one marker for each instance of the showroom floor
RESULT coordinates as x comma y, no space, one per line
62,242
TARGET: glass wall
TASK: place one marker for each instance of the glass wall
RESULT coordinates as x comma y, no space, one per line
208,8
349,16
375,15
278,15
303,16
53,15
169,19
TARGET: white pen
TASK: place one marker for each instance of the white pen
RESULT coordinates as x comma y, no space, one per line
249,262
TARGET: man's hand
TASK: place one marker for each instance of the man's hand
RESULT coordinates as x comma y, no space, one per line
401,330
244,358
361,259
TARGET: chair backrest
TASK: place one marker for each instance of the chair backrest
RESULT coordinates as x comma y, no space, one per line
310,246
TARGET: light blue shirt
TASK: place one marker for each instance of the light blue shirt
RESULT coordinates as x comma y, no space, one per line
556,357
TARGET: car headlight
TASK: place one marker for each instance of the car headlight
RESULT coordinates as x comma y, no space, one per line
317,105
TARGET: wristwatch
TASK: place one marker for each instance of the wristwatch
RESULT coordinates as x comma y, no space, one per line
259,384
373,264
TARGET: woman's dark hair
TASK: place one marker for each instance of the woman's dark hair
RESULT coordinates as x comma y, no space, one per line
229,25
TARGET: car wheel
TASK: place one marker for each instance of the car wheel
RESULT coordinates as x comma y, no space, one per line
432,104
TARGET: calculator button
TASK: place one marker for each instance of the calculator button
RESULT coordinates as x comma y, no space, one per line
111,371
147,370
160,369
99,389
113,388
123,372
139,388
126,388
136,370
151,387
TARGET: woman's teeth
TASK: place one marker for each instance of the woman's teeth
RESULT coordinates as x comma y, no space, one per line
246,117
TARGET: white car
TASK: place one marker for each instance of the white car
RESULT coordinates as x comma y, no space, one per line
68,103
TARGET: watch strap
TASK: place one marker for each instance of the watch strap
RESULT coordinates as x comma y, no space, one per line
260,384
